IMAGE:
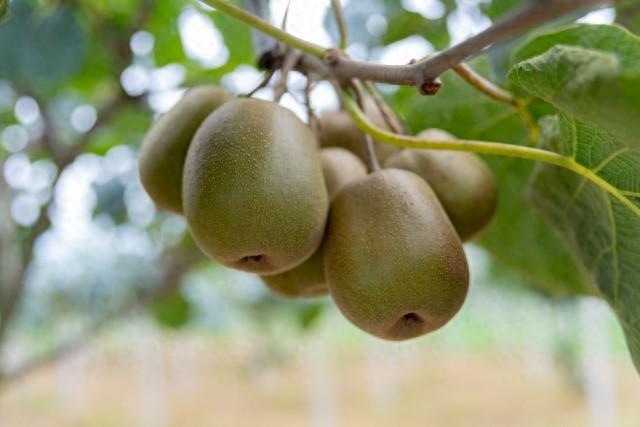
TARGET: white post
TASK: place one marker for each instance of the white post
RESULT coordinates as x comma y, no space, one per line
323,395
595,319
150,376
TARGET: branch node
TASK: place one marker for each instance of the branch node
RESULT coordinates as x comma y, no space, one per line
430,87
333,57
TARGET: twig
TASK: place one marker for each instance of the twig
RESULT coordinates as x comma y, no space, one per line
535,13
290,60
369,149
483,85
494,92
388,114
264,26
336,6
420,74
265,81
313,120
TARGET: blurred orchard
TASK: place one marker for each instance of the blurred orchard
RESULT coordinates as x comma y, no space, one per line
110,316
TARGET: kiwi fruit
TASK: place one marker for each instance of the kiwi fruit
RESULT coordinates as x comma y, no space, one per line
253,192
394,264
165,146
339,167
462,181
305,280
336,129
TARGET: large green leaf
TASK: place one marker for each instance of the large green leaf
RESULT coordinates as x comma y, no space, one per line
594,82
41,49
518,237
602,232
589,71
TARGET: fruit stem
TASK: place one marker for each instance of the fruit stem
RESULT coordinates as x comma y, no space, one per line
482,147
484,85
495,92
373,164
342,25
390,116
264,26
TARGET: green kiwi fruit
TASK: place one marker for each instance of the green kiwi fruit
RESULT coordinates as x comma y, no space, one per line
253,192
462,181
339,167
165,146
336,129
394,264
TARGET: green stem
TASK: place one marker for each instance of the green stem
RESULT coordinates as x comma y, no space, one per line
483,147
262,25
529,121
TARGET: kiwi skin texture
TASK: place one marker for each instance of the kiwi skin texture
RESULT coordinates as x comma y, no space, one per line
395,266
339,168
164,149
336,129
462,181
253,191
305,280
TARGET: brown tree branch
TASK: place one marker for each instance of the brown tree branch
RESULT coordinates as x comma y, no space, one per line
175,264
532,15
373,164
423,73
391,118
336,6
13,288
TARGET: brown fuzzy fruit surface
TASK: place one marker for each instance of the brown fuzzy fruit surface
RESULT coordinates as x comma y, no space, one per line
164,149
394,264
462,181
339,168
336,129
254,195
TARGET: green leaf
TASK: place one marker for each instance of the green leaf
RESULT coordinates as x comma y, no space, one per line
4,10
41,49
163,24
128,126
308,315
601,231
589,71
497,8
518,237
591,74
172,311
408,24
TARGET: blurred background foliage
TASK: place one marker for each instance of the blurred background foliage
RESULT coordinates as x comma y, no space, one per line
84,247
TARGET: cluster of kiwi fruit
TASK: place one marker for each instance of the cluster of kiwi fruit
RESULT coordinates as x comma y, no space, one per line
263,193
